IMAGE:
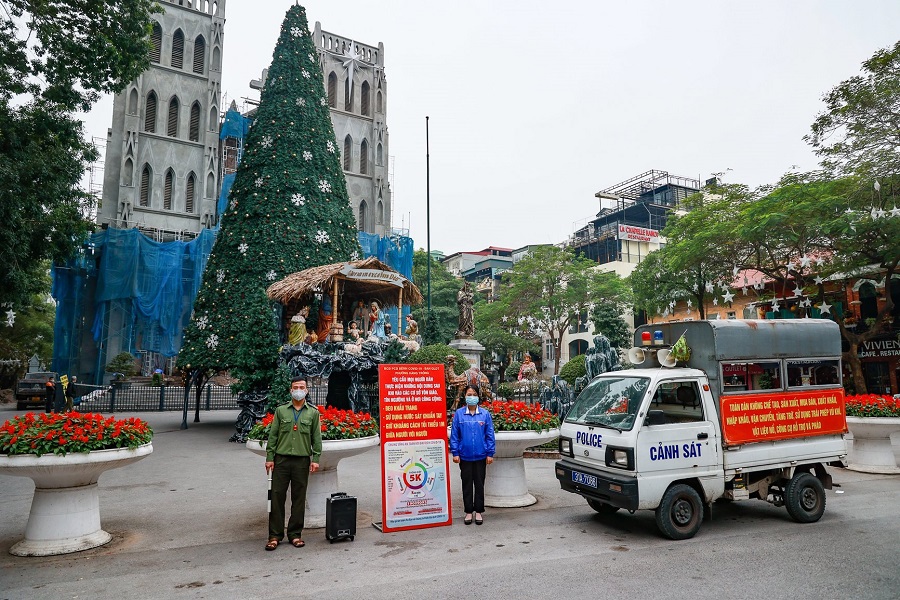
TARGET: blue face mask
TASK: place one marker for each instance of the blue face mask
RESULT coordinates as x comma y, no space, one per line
471,400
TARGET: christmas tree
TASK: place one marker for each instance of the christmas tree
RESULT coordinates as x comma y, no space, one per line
288,211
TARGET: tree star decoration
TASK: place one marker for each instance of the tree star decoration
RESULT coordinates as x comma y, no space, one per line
715,301
307,155
798,291
212,341
895,212
825,308
10,318
710,287
818,280
322,236
744,290
728,296
202,322
775,305
689,304
324,186
804,261
220,275
271,275
298,199
791,266
243,248
352,61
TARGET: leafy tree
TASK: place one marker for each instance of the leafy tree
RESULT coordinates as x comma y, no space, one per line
607,319
122,363
498,333
55,58
289,211
550,288
440,326
30,335
573,369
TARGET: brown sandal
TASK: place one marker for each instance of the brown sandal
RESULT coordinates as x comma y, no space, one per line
298,543
272,544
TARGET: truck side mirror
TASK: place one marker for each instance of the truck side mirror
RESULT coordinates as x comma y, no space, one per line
656,417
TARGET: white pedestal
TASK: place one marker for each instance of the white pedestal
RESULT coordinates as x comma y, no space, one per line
469,348
872,451
65,510
324,482
506,485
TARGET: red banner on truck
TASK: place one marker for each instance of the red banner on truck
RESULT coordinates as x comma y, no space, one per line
782,415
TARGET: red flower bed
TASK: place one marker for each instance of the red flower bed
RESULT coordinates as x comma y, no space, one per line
872,405
336,424
519,416
70,432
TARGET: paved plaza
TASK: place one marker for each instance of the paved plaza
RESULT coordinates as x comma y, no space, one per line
189,521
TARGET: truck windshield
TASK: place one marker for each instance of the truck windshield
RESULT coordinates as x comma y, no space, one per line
610,402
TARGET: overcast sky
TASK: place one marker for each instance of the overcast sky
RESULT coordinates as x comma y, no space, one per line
536,106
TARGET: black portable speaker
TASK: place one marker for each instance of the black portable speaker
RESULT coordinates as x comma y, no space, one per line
340,517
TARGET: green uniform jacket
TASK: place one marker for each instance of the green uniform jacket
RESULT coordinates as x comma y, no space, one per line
305,441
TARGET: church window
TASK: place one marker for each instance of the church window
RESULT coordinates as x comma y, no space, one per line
194,135
210,185
172,127
146,176
189,195
155,43
364,98
178,49
216,59
379,159
199,54
167,190
128,173
348,95
150,113
213,118
378,107
332,90
133,102
348,148
379,212
364,157
362,215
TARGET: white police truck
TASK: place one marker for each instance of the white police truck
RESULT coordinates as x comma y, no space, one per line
727,409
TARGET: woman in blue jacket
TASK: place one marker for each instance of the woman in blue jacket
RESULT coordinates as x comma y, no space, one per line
472,447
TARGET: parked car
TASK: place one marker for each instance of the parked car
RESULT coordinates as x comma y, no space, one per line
31,391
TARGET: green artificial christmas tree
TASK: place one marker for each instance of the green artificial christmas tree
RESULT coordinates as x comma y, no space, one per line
288,211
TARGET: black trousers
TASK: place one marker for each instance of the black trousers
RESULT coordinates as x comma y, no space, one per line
472,473
293,471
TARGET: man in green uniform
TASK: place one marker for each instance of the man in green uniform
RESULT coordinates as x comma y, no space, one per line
292,453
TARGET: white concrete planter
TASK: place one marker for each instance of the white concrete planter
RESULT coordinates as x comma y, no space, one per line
872,451
65,510
505,485
324,482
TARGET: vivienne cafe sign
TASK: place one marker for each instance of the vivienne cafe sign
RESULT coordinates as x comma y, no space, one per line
879,349
390,277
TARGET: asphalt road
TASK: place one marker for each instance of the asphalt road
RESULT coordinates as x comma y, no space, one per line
189,521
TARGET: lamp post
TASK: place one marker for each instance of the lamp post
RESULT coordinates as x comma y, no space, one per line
428,216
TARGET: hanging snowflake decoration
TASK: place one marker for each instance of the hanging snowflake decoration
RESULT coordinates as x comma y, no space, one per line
324,186
271,275
323,101
266,142
354,255
233,204
301,101
202,322
220,275
311,57
243,248
322,236
296,32
305,73
307,155
10,318
212,341
259,182
330,146
298,199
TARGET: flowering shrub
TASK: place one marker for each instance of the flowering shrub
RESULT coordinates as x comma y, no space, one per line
70,432
872,405
519,416
336,424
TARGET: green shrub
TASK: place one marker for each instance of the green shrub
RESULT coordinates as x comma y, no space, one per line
573,369
505,390
512,371
437,354
123,363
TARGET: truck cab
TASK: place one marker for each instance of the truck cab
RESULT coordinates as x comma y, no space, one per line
655,438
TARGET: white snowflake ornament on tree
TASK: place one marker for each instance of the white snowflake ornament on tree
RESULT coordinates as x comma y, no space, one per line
323,101
266,142
305,73
271,275
330,146
259,182
202,322
301,101
324,186
322,236
243,248
298,199
307,155
354,255
220,275
296,32
212,341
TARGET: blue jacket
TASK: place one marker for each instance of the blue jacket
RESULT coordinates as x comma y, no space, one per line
472,436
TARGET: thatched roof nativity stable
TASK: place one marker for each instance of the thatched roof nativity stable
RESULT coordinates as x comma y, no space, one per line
368,279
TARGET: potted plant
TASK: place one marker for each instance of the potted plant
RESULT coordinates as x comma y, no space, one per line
121,367
344,434
65,454
872,418
517,426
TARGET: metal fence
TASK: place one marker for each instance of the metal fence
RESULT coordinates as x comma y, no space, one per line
139,398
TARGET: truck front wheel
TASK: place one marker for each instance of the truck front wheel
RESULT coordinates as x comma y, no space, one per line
602,507
805,498
680,513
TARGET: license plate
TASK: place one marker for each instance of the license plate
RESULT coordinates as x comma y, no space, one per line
584,479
